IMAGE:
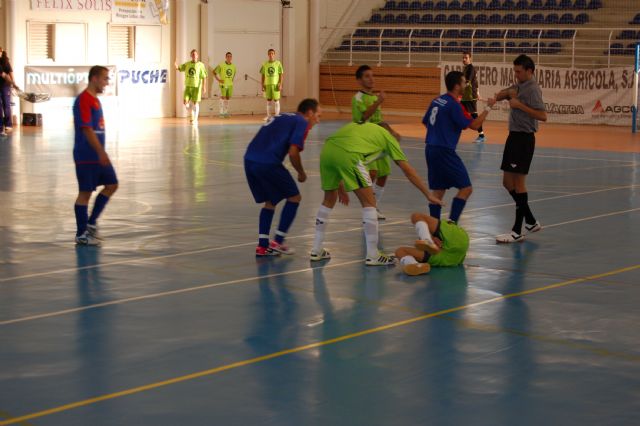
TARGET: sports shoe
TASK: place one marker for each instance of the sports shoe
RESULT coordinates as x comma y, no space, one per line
512,237
87,240
93,231
414,269
266,118
426,245
479,139
530,229
380,215
281,248
3,133
8,129
266,251
322,255
381,260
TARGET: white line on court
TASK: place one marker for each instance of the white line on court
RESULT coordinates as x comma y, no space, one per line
211,249
248,279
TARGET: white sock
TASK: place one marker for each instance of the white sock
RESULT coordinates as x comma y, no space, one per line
196,111
226,106
370,226
423,231
408,260
378,191
277,107
322,218
269,108
221,106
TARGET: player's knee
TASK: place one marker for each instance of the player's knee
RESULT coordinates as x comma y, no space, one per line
417,217
401,252
295,199
466,192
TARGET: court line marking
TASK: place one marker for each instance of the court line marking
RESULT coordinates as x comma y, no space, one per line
210,249
298,349
241,280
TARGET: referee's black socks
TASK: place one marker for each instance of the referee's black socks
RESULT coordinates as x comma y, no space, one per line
523,211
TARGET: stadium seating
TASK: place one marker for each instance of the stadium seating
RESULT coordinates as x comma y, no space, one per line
518,5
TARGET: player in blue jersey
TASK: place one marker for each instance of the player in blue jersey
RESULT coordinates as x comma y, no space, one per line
269,180
445,119
93,167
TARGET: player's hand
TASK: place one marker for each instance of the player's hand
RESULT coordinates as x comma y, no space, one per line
103,159
491,102
175,64
381,96
437,241
515,103
302,176
434,200
343,197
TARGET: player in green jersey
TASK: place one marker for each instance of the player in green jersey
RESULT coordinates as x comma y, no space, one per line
365,107
439,243
225,73
343,169
195,84
272,77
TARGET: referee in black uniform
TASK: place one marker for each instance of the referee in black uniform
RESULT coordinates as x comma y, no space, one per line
470,93
527,108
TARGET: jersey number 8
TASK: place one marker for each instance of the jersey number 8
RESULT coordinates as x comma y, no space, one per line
432,117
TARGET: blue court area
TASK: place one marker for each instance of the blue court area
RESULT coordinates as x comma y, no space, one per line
175,322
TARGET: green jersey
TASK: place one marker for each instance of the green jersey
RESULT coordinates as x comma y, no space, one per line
368,139
271,72
360,103
227,72
194,73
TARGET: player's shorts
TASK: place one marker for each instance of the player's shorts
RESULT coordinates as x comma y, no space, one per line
226,92
91,176
271,92
455,244
382,166
193,94
518,152
338,165
269,182
445,168
470,106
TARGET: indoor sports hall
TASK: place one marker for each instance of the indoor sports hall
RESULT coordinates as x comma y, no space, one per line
173,319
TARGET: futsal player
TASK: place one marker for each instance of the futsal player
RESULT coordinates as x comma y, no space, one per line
225,73
343,169
445,119
527,109
269,180
93,166
439,244
365,107
195,85
272,78
470,94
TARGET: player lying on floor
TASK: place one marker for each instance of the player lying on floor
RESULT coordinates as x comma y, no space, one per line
440,243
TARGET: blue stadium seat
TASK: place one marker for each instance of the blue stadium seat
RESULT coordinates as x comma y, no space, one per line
481,34
524,47
508,5
399,46
428,5
616,48
422,33
555,47
465,46
358,45
454,19
551,34
580,5
372,46
388,33
523,19
467,19
494,34
414,19
565,5
566,19
480,46
401,33
376,18
389,18
522,34
494,5
424,46
386,45
402,19
536,5
509,19
522,5
344,45
440,19
427,18
415,5
581,18
467,5
361,32
441,5
403,5
595,4
636,20
455,5
495,47
510,46
389,5
466,33
567,33
631,49
452,34
435,47
451,46
437,33
495,19
627,35
373,33
550,5
481,19
538,18
481,5
552,19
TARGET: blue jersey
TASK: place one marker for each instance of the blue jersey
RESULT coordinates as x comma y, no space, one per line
445,119
271,144
87,112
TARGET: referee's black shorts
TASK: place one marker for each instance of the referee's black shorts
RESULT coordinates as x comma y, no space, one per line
518,152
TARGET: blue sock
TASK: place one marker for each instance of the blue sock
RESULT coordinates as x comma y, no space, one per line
98,206
435,210
457,205
266,216
286,219
82,213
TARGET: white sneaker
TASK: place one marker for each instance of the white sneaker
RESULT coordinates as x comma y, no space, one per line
322,255
3,133
512,237
380,215
381,260
479,139
87,240
414,269
93,231
530,229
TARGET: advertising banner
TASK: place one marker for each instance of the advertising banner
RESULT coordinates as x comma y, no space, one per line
63,82
571,95
71,5
145,12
